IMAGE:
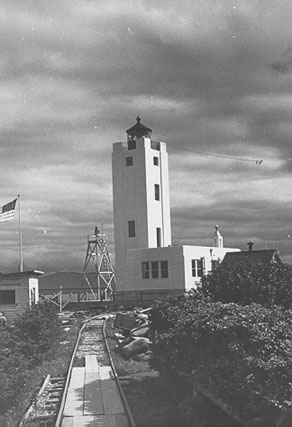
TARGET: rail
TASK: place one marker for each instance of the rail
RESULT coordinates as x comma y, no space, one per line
127,410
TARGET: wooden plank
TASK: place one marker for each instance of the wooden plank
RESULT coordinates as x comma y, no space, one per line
93,401
111,398
67,422
74,400
80,421
95,421
121,421
91,364
105,372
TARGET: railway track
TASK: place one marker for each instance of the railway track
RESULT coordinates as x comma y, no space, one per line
91,393
58,404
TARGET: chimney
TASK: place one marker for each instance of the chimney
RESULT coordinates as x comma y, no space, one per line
218,239
250,245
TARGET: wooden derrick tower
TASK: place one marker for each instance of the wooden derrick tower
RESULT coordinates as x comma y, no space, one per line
98,277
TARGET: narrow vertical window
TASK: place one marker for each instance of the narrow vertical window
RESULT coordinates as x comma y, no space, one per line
158,237
129,161
164,269
157,191
132,144
155,161
155,269
145,270
194,268
131,228
198,267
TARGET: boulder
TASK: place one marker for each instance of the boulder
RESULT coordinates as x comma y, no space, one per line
137,346
140,331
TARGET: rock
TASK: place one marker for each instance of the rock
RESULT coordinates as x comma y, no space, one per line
140,331
143,357
137,346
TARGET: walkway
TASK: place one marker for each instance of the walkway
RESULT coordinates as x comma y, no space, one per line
93,398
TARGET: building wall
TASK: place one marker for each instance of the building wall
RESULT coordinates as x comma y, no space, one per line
158,211
20,287
24,287
134,197
204,254
180,271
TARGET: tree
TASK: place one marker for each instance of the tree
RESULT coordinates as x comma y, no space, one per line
245,281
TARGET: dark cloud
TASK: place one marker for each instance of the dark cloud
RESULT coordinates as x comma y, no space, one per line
73,78
284,66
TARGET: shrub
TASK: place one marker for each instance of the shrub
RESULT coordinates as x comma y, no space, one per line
13,371
38,332
244,281
240,354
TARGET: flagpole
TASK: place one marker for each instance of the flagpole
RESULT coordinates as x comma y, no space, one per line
20,236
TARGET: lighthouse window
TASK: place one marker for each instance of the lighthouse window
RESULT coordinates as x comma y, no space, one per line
156,161
131,228
131,144
129,161
157,191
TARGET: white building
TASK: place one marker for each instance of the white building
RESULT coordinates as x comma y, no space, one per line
146,264
18,291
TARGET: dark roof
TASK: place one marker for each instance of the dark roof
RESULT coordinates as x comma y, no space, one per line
263,256
139,130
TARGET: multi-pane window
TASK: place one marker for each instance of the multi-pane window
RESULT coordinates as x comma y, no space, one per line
129,161
157,191
7,297
155,161
145,270
158,269
198,267
164,269
154,269
131,229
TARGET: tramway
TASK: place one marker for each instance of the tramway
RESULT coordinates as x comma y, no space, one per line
91,394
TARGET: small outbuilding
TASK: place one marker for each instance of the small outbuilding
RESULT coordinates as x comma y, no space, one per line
262,256
18,291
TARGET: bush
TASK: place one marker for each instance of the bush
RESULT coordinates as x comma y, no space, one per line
13,371
38,332
33,338
243,281
240,354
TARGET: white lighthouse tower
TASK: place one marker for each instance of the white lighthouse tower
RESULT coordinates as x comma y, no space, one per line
140,192
147,266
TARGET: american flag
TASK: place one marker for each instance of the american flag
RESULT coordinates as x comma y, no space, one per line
8,211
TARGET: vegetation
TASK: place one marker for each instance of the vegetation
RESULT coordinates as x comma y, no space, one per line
244,282
37,332
231,339
23,367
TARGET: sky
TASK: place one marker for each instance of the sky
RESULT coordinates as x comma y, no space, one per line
212,78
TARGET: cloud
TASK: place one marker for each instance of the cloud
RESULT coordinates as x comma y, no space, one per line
212,79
